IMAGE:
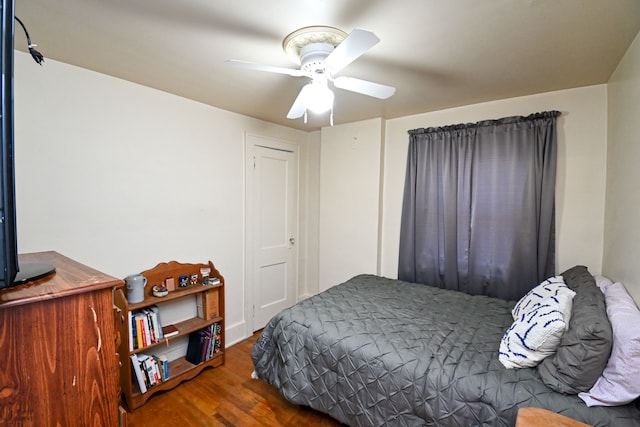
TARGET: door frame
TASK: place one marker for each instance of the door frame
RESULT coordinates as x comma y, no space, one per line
252,140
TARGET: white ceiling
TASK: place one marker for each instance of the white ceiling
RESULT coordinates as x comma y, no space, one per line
437,53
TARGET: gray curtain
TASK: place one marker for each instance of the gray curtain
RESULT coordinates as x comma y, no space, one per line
478,213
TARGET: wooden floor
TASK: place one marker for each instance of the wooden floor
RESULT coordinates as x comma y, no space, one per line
226,396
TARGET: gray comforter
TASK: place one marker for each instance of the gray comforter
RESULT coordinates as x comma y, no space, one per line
375,351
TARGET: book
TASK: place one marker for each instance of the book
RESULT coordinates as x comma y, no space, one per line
138,373
148,330
152,334
149,369
157,324
165,367
218,338
207,306
169,330
163,363
155,367
140,335
143,369
148,366
147,327
200,306
206,343
194,348
132,329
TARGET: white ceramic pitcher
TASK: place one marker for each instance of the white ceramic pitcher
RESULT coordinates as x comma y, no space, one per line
135,287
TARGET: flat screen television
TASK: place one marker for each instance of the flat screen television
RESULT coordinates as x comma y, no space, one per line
8,239
11,271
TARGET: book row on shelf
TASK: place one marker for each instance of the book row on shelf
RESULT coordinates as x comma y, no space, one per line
204,344
147,329
149,370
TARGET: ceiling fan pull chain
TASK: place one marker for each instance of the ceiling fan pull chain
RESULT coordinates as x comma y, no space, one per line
331,117
305,116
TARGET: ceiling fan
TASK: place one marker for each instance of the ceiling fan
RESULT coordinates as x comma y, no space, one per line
322,52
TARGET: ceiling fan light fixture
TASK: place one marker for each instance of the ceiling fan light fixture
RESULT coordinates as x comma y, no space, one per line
319,97
322,52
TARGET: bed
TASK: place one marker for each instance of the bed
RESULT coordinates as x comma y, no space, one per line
375,351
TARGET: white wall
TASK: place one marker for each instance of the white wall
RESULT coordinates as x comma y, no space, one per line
622,219
350,170
121,177
580,182
309,217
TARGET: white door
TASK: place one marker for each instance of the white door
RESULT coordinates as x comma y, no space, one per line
273,213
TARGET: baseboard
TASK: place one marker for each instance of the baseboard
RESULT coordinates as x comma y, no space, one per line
236,333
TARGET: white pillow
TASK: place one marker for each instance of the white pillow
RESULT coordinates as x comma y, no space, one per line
602,282
537,333
544,290
619,384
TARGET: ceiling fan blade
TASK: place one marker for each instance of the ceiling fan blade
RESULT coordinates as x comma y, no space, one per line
356,43
268,68
365,87
300,104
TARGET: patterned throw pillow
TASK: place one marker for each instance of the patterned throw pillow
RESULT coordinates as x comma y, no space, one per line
547,289
542,317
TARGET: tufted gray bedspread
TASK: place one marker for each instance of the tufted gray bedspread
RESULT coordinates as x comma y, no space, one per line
375,351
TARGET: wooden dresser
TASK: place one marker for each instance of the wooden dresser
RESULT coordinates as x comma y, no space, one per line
58,361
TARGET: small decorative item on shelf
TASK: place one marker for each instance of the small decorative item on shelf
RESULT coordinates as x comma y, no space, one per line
135,287
204,272
170,284
184,281
160,291
213,281
193,279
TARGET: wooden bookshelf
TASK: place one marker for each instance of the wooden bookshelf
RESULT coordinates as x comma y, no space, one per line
211,298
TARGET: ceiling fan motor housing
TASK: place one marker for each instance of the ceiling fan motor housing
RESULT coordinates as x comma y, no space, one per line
313,55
